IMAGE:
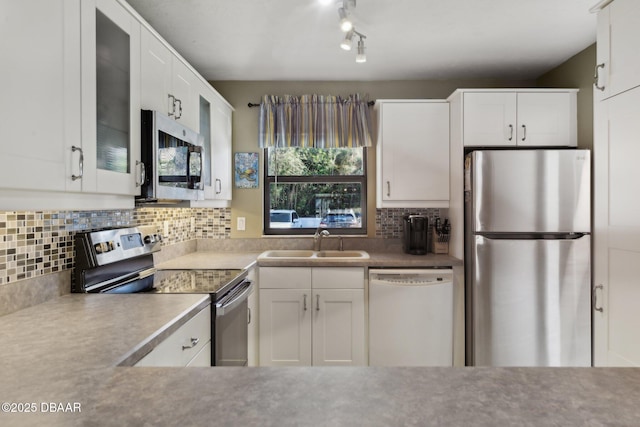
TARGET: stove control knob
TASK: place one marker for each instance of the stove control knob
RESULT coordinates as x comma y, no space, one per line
149,239
158,237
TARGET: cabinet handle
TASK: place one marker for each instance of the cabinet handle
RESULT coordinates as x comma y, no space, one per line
594,298
80,163
172,105
388,188
510,132
248,315
143,174
317,302
218,186
179,101
596,77
524,132
194,342
304,302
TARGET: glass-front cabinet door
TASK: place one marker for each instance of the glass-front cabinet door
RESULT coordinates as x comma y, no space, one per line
110,99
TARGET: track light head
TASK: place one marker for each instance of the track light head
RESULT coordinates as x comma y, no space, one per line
345,22
361,56
348,40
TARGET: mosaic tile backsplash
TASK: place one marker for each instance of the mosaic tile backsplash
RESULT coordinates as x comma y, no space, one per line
38,243
389,221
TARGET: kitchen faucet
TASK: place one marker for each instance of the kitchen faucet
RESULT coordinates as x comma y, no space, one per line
317,238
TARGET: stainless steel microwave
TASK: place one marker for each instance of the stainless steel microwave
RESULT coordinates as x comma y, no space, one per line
173,160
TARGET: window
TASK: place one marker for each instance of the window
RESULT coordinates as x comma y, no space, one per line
307,188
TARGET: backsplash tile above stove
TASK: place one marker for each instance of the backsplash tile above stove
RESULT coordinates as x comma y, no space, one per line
37,243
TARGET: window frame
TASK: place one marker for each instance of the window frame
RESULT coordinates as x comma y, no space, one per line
314,179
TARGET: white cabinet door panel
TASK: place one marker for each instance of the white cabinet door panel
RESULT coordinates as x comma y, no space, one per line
413,154
285,327
546,119
489,119
338,327
617,48
616,231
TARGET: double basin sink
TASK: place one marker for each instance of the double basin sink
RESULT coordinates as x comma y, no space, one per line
301,254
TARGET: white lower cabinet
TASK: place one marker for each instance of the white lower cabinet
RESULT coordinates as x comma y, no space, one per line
190,345
312,316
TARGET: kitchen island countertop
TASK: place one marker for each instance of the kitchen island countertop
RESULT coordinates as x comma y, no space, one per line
50,355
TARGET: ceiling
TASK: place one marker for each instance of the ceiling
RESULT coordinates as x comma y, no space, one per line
406,39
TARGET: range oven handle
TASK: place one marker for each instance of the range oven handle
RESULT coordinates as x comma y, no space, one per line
226,306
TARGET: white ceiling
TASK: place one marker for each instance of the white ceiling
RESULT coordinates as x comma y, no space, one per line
406,39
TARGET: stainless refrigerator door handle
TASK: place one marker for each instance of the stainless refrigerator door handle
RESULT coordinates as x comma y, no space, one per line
248,315
510,132
596,77
524,132
594,298
80,163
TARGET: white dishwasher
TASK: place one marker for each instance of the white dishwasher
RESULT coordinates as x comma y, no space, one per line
411,317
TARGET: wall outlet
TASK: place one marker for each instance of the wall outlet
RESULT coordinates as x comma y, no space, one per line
165,230
241,223
193,225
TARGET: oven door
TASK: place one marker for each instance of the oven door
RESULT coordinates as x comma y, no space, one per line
231,327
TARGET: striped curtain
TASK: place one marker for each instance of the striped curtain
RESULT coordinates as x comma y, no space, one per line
320,121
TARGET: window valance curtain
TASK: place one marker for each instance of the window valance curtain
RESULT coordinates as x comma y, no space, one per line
320,121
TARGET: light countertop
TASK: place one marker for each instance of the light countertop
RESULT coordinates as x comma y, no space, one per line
50,354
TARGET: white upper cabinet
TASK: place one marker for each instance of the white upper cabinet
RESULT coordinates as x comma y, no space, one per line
168,84
40,105
215,126
519,118
618,62
110,49
71,110
412,153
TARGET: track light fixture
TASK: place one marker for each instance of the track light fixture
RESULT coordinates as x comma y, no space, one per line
346,24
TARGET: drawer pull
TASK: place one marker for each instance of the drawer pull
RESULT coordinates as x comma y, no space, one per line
194,342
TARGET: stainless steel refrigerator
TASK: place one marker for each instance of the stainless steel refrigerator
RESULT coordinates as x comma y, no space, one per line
528,257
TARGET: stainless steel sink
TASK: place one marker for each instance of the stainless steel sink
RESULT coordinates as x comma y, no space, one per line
299,254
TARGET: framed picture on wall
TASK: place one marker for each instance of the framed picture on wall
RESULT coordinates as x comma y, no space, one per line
246,170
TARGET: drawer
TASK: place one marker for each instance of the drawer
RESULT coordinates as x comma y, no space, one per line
183,345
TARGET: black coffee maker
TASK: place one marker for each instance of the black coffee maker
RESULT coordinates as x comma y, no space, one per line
415,231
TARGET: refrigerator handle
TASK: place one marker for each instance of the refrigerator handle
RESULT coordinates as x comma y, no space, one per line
594,298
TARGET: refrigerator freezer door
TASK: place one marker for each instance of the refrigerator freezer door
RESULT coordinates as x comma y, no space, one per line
530,191
531,302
